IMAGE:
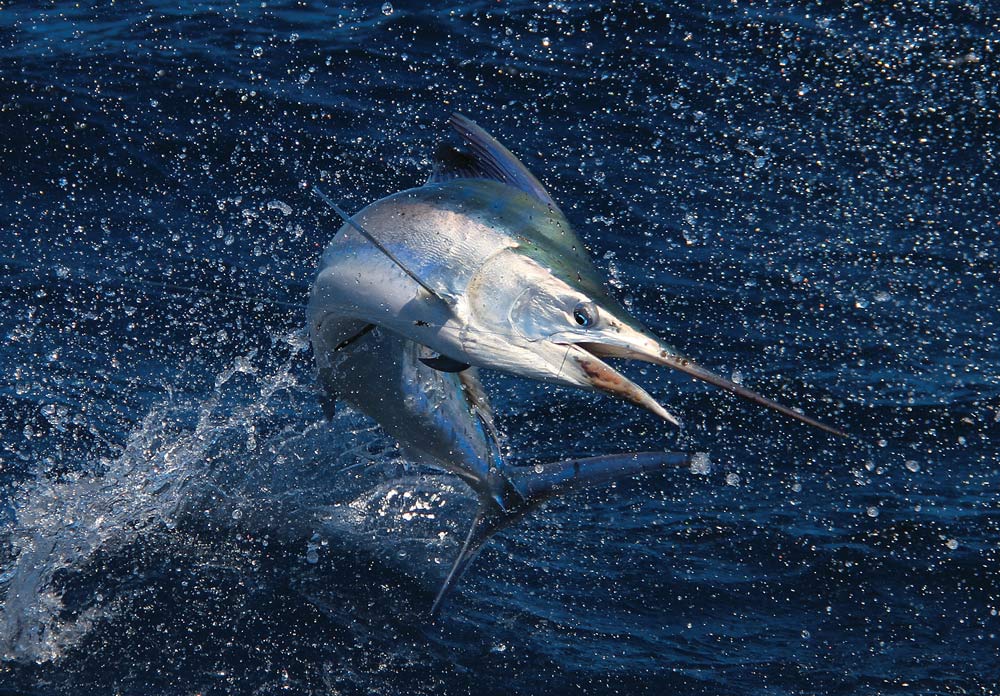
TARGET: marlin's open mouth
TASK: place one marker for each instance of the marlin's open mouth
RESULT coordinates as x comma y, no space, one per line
605,378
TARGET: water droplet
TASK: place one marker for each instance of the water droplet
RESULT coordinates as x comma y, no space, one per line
732,479
701,464
281,206
912,466
872,511
387,8
257,51
952,544
312,549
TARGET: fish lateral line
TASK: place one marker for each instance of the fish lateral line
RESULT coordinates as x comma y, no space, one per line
378,245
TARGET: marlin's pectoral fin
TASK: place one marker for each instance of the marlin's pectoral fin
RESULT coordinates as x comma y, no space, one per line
479,404
442,363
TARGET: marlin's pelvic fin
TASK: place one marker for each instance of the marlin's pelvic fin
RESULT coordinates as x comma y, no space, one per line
378,245
514,493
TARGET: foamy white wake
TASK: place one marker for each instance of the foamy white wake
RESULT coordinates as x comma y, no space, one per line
252,463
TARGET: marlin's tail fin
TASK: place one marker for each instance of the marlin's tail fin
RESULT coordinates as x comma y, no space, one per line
516,492
484,526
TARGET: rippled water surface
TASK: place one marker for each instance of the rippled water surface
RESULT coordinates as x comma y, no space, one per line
804,195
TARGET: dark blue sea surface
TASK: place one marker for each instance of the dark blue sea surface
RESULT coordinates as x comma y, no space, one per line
803,194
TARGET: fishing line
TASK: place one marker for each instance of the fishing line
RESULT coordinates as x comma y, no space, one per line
565,355
124,281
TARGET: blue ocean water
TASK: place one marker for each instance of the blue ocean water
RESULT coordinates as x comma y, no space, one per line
803,194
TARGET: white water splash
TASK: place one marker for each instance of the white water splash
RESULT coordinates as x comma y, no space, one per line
256,467
61,524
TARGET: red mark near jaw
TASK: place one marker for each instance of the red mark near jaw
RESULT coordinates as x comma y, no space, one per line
607,380
602,376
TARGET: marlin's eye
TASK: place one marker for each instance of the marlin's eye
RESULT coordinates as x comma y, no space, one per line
585,314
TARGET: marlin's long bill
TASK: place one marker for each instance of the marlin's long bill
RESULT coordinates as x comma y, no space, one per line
519,491
627,342
698,372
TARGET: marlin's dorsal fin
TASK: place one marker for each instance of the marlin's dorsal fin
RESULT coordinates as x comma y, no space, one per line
485,159
378,245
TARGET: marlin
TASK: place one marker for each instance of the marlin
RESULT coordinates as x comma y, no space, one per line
479,268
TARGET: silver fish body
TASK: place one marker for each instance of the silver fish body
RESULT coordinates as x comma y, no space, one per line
480,246
478,267
438,418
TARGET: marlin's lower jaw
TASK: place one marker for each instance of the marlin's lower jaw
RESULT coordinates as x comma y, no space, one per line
598,375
